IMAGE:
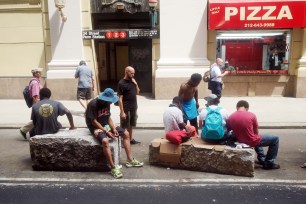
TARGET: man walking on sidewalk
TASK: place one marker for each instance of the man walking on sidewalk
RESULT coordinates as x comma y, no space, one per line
85,84
245,127
128,90
34,87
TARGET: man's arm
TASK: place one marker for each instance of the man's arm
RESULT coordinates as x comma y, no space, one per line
196,98
70,119
223,74
122,113
93,83
137,88
76,75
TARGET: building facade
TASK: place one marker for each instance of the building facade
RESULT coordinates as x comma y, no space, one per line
165,44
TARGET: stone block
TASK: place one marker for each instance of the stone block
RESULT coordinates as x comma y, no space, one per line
196,155
71,150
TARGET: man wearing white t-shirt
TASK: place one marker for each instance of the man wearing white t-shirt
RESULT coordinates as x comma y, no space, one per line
216,77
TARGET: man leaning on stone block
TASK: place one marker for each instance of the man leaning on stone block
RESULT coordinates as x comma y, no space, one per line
100,124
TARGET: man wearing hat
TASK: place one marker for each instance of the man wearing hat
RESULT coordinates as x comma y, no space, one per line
100,124
212,105
34,87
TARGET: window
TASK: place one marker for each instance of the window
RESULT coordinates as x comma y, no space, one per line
255,52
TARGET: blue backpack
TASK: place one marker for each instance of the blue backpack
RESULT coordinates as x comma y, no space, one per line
213,128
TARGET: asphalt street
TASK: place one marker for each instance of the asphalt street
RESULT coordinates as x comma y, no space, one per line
169,193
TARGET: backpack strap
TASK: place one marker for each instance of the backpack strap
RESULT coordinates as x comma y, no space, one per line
33,80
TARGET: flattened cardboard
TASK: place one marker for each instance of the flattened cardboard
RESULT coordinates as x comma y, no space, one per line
219,148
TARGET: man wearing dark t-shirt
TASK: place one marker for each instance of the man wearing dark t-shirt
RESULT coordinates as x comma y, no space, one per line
127,91
45,113
245,127
100,124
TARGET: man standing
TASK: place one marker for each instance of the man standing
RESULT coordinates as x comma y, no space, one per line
127,91
215,83
45,113
245,127
275,61
100,124
34,88
188,94
85,84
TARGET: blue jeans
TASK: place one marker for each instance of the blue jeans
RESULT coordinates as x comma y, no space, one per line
270,141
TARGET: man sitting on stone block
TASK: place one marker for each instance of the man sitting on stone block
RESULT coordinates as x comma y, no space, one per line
173,118
45,113
245,127
213,120
100,124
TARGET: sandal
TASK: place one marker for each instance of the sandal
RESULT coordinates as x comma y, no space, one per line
303,165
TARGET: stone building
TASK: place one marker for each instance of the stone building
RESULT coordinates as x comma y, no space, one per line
165,44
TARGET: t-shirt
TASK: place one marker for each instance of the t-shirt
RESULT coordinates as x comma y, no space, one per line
243,124
215,72
44,116
172,117
35,87
85,76
128,90
98,111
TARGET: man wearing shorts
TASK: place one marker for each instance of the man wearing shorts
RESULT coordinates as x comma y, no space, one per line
100,124
127,91
85,84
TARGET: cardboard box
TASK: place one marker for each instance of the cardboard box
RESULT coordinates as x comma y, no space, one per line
168,152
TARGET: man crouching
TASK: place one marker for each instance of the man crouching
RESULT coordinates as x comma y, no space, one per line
100,124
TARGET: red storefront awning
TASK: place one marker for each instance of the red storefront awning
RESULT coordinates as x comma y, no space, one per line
256,14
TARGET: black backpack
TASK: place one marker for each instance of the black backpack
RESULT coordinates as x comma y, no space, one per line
27,96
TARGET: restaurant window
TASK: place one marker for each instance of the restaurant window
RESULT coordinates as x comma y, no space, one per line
255,52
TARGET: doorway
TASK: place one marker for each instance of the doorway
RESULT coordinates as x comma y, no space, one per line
113,57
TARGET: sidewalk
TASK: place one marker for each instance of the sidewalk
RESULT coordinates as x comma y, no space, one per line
272,112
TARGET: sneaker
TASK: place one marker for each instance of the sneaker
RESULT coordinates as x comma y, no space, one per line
24,135
116,172
134,142
262,163
271,166
133,163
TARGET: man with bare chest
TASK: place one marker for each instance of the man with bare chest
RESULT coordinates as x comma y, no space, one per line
188,94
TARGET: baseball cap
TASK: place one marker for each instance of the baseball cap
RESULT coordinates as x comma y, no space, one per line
108,95
210,97
36,69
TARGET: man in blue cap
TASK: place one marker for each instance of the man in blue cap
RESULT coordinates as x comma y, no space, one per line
101,125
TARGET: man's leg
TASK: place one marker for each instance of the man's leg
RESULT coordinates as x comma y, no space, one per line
83,102
102,137
194,123
81,96
131,162
127,145
273,143
131,121
25,129
260,154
